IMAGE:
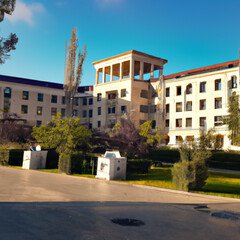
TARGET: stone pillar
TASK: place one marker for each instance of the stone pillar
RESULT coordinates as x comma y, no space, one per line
111,73
103,76
97,76
131,71
152,71
141,71
172,140
226,142
120,71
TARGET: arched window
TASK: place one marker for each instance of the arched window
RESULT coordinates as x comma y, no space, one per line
7,92
189,89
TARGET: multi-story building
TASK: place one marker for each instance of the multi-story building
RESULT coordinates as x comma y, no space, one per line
179,104
132,84
199,98
123,88
37,101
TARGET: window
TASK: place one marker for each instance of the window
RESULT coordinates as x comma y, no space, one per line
217,84
218,121
202,87
63,100
54,99
167,92
25,95
111,110
189,89
99,97
167,123
38,123
153,108
40,97
188,122
75,112
202,121
63,112
234,82
90,101
153,124
179,139
90,113
189,138
7,92
24,109
53,111
143,108
123,109
99,111
202,104
123,92
189,106
144,94
179,123
179,90
179,107
84,101
39,110
218,103
90,125
75,101
112,96
99,124
167,108
84,114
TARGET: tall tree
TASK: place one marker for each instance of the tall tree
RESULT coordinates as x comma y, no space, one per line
233,119
7,44
6,7
73,71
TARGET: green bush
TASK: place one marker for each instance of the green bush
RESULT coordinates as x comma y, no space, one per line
4,157
191,172
52,159
70,163
16,157
138,166
164,155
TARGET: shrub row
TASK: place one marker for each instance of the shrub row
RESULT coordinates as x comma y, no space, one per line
138,166
219,159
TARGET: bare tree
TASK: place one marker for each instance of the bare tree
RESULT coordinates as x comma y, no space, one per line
73,71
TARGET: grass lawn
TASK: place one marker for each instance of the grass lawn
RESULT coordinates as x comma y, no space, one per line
220,184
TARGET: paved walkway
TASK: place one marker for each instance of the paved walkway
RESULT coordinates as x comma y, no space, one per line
38,205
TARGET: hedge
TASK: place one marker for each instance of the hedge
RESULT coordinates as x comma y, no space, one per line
138,165
4,157
16,157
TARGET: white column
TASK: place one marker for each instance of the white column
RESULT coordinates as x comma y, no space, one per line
152,71
97,77
172,140
111,73
131,71
120,71
103,76
141,70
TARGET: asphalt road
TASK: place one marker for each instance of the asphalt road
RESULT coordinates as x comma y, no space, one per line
37,205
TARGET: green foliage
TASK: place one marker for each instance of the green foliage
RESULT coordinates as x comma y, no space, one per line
4,156
233,119
138,165
191,172
152,137
70,163
16,157
66,135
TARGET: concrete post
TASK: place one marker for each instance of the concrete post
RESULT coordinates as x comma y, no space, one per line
141,71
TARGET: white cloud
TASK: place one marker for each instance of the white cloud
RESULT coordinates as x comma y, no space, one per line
25,12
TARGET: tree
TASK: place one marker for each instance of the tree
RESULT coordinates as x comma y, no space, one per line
66,135
7,44
6,7
152,137
233,119
73,71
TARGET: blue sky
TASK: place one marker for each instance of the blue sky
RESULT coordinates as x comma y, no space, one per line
187,33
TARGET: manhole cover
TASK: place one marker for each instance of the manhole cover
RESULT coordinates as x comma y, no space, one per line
226,215
128,222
